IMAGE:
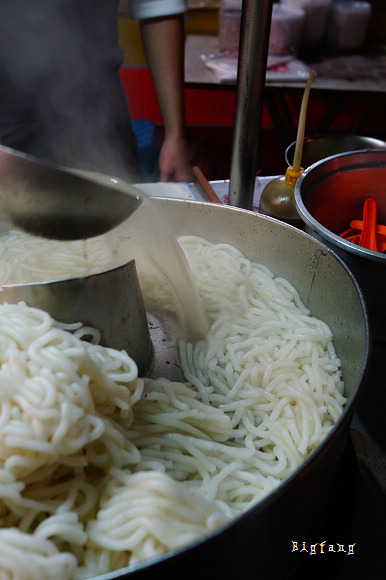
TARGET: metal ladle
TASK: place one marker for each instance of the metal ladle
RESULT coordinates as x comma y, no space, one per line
43,200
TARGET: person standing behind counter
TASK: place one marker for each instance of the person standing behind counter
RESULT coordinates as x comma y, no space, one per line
61,98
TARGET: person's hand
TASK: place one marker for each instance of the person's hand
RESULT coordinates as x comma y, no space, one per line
174,160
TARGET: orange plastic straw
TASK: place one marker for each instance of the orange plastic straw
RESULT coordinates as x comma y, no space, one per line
368,236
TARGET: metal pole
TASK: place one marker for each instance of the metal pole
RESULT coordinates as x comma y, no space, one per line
252,66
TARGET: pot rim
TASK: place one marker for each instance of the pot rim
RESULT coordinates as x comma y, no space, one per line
372,142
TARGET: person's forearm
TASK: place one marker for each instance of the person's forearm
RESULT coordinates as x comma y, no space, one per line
163,42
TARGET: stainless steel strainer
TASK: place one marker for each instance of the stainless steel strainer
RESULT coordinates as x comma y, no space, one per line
110,302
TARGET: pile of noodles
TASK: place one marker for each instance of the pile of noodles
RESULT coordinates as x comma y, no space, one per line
100,469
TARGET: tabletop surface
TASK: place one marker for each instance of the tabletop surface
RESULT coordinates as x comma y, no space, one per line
358,72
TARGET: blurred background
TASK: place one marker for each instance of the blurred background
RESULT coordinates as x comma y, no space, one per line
348,94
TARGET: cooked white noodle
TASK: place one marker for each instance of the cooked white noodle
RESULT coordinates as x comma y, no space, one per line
100,469
50,261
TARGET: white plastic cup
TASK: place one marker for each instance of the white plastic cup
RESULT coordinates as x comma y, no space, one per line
287,25
347,25
231,5
316,15
229,30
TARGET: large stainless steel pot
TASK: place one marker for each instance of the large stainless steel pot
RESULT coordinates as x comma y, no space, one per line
260,541
332,192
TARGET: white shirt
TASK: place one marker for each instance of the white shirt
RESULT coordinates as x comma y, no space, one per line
140,9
